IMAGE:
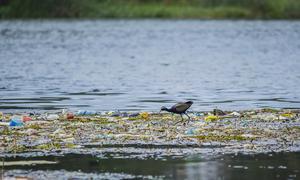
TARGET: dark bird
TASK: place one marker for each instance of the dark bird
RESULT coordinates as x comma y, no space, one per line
218,112
179,108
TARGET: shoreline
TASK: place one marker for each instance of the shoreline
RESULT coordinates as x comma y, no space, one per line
279,9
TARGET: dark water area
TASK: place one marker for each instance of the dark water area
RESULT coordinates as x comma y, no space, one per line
259,166
137,65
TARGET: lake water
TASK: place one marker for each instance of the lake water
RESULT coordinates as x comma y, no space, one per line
138,65
115,166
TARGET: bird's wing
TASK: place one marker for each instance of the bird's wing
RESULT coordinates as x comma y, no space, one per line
181,107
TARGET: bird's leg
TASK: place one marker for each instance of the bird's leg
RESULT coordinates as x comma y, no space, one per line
182,120
188,116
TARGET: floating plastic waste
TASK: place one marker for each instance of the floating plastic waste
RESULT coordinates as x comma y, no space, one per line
211,118
86,112
124,114
145,115
110,113
52,117
41,133
70,115
190,131
134,114
199,114
236,114
115,114
16,121
26,118
287,115
23,163
265,116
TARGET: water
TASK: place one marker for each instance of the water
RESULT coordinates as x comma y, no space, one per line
141,65
260,166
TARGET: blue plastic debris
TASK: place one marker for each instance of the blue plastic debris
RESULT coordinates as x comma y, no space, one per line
191,131
199,114
16,121
86,112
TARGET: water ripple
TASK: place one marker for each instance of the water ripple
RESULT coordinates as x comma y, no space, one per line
141,65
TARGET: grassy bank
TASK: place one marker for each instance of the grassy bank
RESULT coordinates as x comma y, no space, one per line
202,9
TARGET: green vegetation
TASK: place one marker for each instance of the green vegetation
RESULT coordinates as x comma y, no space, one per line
48,146
221,138
40,9
34,126
204,9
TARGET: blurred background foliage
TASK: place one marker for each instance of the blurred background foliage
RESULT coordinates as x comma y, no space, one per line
205,9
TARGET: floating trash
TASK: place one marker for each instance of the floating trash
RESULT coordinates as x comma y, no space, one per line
286,116
235,114
211,118
191,131
4,123
134,114
199,114
265,116
144,115
115,114
52,117
26,163
253,131
70,115
86,112
16,121
26,118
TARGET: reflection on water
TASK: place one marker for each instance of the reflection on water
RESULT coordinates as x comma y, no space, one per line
260,166
141,65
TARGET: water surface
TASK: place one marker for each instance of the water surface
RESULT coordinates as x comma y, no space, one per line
116,166
140,65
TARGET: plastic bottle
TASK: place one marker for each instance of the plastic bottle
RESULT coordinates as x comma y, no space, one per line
52,117
86,112
16,121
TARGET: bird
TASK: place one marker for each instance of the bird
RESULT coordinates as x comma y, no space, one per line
179,108
218,112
